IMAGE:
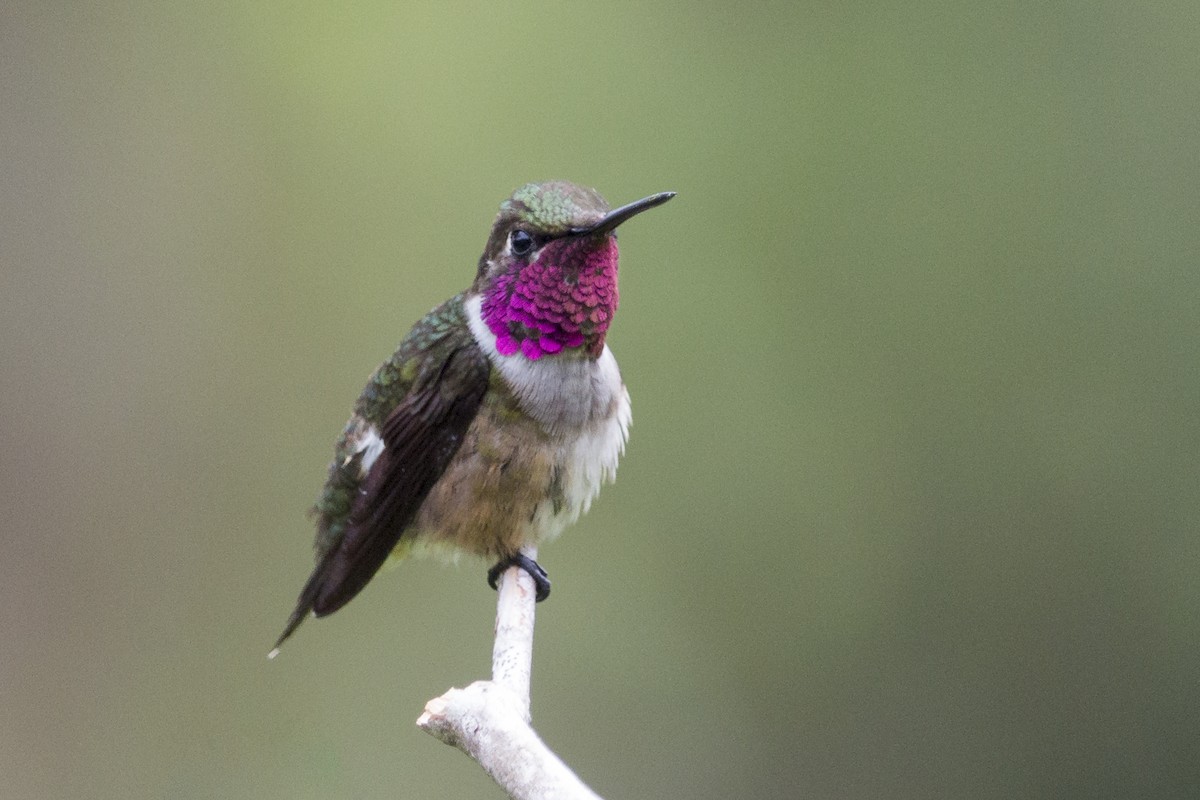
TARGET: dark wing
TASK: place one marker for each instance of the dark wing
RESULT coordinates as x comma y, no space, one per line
421,436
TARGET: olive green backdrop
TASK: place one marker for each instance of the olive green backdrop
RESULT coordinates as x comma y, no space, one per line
910,505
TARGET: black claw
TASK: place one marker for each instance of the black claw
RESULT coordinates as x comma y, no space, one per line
540,580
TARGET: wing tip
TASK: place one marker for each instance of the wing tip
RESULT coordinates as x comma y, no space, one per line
302,611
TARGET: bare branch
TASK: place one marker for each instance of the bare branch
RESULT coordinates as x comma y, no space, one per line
512,653
489,720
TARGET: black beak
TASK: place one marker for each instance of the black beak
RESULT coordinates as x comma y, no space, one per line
618,215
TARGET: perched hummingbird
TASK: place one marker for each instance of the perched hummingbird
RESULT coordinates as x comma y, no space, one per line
500,414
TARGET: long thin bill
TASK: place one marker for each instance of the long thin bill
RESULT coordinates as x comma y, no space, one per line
618,215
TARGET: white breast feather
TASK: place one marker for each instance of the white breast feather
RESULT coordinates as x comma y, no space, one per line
582,402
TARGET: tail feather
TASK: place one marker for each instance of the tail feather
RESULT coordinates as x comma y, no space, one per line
339,576
304,605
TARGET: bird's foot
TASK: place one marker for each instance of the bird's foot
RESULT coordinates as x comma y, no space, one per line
540,580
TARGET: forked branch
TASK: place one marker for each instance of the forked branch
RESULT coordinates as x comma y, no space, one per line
489,720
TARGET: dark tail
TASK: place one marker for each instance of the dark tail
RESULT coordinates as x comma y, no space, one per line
304,605
339,576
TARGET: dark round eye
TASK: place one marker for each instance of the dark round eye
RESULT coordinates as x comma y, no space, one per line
521,242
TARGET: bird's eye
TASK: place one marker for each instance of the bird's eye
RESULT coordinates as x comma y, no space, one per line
521,243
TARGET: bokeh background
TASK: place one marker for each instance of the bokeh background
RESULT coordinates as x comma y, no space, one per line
910,506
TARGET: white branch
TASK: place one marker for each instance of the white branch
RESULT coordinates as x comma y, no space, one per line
489,720
512,653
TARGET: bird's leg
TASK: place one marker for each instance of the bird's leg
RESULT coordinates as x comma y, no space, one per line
540,579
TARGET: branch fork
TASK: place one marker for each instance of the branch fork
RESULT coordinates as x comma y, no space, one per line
490,720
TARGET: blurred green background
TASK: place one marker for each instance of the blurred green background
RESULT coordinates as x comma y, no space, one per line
910,505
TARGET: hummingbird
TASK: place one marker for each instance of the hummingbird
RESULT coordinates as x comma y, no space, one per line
499,416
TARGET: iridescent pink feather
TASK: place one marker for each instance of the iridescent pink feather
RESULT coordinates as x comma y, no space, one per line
563,300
